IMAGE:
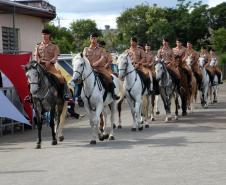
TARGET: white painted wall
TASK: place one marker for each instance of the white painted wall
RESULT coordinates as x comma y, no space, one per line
29,30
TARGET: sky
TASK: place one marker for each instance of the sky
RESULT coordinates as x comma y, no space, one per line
104,12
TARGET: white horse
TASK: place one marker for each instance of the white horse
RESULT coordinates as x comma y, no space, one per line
133,89
167,88
214,89
92,96
205,83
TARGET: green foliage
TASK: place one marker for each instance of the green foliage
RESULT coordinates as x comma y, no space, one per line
187,21
81,30
62,37
132,22
219,39
218,16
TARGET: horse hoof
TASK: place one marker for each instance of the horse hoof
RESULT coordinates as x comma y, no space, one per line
114,126
146,126
120,127
157,112
106,136
38,146
152,119
93,142
133,129
184,113
140,129
214,101
111,138
61,138
102,130
54,142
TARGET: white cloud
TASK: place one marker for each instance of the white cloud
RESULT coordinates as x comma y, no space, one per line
65,19
213,3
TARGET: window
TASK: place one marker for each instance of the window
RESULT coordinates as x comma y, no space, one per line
9,42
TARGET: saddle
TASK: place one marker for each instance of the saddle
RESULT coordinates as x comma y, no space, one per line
146,81
108,86
56,83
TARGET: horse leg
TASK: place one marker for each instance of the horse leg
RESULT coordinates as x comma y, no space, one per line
105,126
52,125
113,109
146,111
119,114
62,120
39,126
138,115
152,107
176,107
102,117
166,104
132,109
157,104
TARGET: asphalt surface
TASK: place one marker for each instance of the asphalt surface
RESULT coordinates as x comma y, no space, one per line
190,151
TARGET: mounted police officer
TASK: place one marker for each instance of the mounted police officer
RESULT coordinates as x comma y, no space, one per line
46,54
98,59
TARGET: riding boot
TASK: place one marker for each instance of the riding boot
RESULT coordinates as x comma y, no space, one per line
112,90
79,99
211,76
178,84
64,91
219,78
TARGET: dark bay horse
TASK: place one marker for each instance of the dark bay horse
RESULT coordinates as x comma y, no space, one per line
45,98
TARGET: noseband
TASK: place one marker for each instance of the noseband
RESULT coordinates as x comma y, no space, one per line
125,69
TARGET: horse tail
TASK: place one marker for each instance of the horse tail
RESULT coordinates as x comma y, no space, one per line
62,119
119,90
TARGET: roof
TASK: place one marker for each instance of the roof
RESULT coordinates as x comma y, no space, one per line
21,8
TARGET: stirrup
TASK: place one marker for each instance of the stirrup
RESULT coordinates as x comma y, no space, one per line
115,97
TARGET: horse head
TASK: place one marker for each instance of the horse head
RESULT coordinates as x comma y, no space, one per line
189,61
123,63
33,75
201,62
159,68
213,62
79,63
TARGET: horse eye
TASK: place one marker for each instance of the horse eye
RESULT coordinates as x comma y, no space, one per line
81,64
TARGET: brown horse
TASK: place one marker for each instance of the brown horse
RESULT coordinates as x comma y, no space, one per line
194,87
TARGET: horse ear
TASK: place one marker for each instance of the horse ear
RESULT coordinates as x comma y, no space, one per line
81,54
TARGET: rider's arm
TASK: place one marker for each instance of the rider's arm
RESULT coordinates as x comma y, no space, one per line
56,53
142,56
36,55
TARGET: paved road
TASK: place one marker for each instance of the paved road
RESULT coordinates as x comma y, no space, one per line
190,151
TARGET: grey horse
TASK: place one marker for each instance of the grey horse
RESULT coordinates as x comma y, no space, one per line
167,88
45,98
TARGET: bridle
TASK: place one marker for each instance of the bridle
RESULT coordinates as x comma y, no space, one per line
126,67
80,73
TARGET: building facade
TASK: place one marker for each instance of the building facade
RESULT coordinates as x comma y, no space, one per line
21,23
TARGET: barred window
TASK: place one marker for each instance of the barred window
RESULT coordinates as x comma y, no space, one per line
9,42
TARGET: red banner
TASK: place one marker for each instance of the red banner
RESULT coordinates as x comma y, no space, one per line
11,66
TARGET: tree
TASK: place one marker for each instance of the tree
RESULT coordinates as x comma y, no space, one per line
218,16
132,22
158,26
219,40
62,37
81,30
